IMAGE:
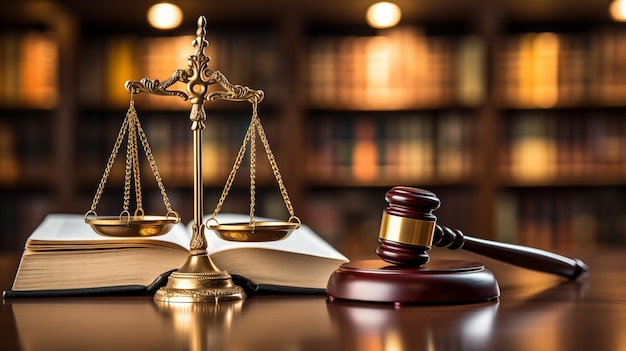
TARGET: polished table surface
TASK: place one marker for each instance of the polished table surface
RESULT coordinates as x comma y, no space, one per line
534,312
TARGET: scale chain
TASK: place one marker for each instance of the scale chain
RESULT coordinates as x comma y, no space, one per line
109,166
153,166
132,164
133,126
136,170
233,172
272,160
252,172
254,127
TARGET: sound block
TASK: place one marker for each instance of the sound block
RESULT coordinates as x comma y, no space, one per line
438,282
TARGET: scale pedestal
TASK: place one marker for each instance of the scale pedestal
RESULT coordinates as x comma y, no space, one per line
199,280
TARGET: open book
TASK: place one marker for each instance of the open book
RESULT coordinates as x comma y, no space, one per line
64,256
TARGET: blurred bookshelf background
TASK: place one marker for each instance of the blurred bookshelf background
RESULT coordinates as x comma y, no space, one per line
512,112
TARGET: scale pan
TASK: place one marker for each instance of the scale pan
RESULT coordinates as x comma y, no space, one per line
132,226
260,231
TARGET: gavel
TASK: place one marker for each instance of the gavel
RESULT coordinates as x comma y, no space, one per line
408,230
404,273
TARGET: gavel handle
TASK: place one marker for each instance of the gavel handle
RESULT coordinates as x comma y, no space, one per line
522,256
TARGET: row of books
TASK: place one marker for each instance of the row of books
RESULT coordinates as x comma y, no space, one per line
170,139
535,147
402,68
108,62
25,148
549,145
556,219
20,213
405,68
550,69
28,69
562,219
391,147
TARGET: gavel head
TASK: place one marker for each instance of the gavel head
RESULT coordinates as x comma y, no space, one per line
407,226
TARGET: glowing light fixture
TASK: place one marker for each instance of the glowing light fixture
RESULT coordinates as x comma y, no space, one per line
165,15
383,15
617,10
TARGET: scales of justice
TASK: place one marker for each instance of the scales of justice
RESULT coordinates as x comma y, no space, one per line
408,227
199,279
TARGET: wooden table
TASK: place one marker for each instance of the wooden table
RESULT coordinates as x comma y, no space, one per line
535,312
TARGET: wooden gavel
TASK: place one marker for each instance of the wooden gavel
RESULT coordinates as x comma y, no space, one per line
408,230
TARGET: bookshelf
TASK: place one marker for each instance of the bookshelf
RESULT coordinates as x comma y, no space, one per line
515,122
391,147
36,116
396,69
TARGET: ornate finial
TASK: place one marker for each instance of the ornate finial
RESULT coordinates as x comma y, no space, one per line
200,43
198,77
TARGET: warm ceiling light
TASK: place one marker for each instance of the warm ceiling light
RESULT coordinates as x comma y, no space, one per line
618,10
383,15
165,16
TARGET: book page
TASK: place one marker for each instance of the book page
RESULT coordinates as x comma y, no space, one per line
302,240
71,229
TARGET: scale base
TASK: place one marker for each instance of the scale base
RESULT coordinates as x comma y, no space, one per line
199,280
438,282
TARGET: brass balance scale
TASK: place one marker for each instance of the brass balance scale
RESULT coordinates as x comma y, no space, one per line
199,279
